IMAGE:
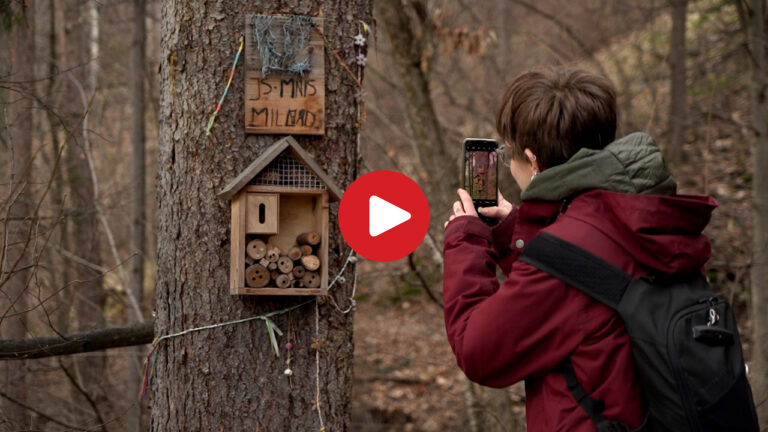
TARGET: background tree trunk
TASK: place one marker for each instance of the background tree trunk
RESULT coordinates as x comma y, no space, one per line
678,89
60,263
228,378
437,170
18,249
89,292
133,420
758,43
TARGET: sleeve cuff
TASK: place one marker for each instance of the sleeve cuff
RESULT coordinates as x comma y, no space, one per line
503,232
468,225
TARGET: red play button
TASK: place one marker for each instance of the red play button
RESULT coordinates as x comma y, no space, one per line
383,215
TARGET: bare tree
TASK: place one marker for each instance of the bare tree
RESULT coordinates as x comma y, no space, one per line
16,251
228,378
139,186
401,21
759,99
678,89
78,87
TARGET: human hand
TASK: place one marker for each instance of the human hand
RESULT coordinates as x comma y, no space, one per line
463,207
500,211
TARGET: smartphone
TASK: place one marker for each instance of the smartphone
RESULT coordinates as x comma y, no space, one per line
481,172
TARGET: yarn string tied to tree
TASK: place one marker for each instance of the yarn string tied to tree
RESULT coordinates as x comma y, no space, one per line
150,361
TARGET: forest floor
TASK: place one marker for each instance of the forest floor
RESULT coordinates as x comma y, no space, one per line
405,375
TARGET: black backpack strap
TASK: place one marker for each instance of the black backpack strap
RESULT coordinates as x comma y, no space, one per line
593,407
578,268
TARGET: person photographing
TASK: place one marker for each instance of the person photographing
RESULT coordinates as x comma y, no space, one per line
614,198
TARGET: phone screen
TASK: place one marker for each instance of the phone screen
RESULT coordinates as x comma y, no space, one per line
481,169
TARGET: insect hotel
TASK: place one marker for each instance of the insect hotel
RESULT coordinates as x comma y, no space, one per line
279,232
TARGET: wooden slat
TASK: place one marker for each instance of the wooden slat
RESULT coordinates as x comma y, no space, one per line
281,102
237,245
323,217
272,213
282,291
283,190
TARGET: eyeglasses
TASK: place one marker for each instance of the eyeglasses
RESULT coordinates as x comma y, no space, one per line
503,155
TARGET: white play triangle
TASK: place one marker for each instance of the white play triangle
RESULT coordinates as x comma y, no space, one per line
383,216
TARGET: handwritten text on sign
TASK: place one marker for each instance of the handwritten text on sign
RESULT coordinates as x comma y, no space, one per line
281,102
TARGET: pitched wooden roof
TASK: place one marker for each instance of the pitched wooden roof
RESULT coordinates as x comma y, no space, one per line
287,143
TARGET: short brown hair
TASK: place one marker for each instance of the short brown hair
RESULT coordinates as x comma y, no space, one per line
555,112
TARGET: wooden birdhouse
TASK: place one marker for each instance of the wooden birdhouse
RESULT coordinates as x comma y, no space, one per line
279,232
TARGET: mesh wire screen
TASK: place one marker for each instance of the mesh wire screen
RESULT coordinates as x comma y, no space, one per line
286,170
295,39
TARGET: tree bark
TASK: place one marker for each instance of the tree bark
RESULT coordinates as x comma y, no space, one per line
133,418
759,283
18,248
89,293
228,378
677,90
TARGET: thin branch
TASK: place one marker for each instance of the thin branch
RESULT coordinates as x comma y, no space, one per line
41,414
566,29
82,391
423,281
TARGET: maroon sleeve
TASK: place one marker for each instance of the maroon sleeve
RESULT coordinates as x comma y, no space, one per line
502,235
503,334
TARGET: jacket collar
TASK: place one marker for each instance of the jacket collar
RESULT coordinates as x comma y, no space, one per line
632,164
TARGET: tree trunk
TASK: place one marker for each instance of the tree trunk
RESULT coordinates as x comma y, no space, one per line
677,90
18,249
89,293
436,167
759,283
60,263
133,419
228,378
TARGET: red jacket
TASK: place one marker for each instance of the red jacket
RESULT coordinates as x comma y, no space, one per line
523,328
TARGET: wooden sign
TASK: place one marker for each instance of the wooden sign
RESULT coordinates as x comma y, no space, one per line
288,95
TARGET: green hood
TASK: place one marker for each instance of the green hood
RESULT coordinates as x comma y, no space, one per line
632,164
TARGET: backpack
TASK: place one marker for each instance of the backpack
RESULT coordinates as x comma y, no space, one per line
684,340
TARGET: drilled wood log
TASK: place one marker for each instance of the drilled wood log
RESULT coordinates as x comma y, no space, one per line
310,262
294,253
256,249
311,280
298,271
285,264
256,276
272,255
308,238
306,250
283,281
